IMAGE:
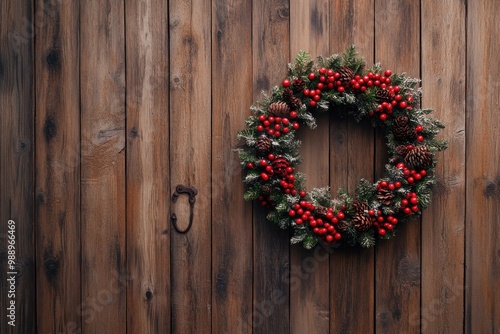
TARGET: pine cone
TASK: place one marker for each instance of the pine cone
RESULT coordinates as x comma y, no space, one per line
402,150
346,75
278,109
298,85
361,219
401,129
385,196
295,103
383,95
263,144
280,165
287,94
321,211
418,157
266,190
342,225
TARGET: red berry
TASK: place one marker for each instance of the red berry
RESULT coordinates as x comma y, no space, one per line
420,138
329,238
417,176
295,125
302,193
250,165
289,170
293,114
262,118
263,163
312,223
340,89
271,156
403,104
337,236
398,97
277,127
391,186
371,212
264,176
269,169
383,184
407,211
260,128
311,76
414,208
286,83
404,202
340,215
285,121
291,213
383,117
270,132
381,232
320,85
411,180
397,184
298,221
330,73
266,123
277,134
419,128
413,200
307,92
423,172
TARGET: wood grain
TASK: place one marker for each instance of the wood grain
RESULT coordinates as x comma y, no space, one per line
397,278
17,161
271,258
352,158
443,83
190,156
309,292
58,169
231,216
147,163
102,65
482,314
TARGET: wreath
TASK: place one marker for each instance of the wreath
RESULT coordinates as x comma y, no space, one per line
341,84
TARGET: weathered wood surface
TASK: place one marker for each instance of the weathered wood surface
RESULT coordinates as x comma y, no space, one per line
107,106
58,169
148,291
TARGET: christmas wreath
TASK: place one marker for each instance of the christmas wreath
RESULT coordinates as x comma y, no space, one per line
341,84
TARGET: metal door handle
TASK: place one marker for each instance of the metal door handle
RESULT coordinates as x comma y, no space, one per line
191,192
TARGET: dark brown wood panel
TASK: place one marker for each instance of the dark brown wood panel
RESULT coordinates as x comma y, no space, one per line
271,288
397,266
102,65
17,149
58,168
231,217
443,233
147,163
352,158
482,166
190,156
309,272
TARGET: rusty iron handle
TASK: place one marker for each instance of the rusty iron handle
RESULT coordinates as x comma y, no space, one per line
191,192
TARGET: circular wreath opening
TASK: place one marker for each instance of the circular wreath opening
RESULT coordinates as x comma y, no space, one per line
341,84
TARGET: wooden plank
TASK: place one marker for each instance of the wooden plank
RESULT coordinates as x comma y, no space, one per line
231,216
58,168
397,278
190,156
17,163
102,67
482,161
351,158
147,163
271,290
443,83
309,297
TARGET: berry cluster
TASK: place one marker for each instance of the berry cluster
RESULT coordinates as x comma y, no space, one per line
276,126
409,205
411,175
322,224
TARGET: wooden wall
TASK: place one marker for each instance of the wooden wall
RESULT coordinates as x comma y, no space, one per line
107,105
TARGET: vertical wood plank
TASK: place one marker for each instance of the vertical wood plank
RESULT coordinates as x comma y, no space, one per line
443,83
147,163
17,161
271,289
190,156
397,46
103,167
482,161
351,158
231,216
309,297
58,168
